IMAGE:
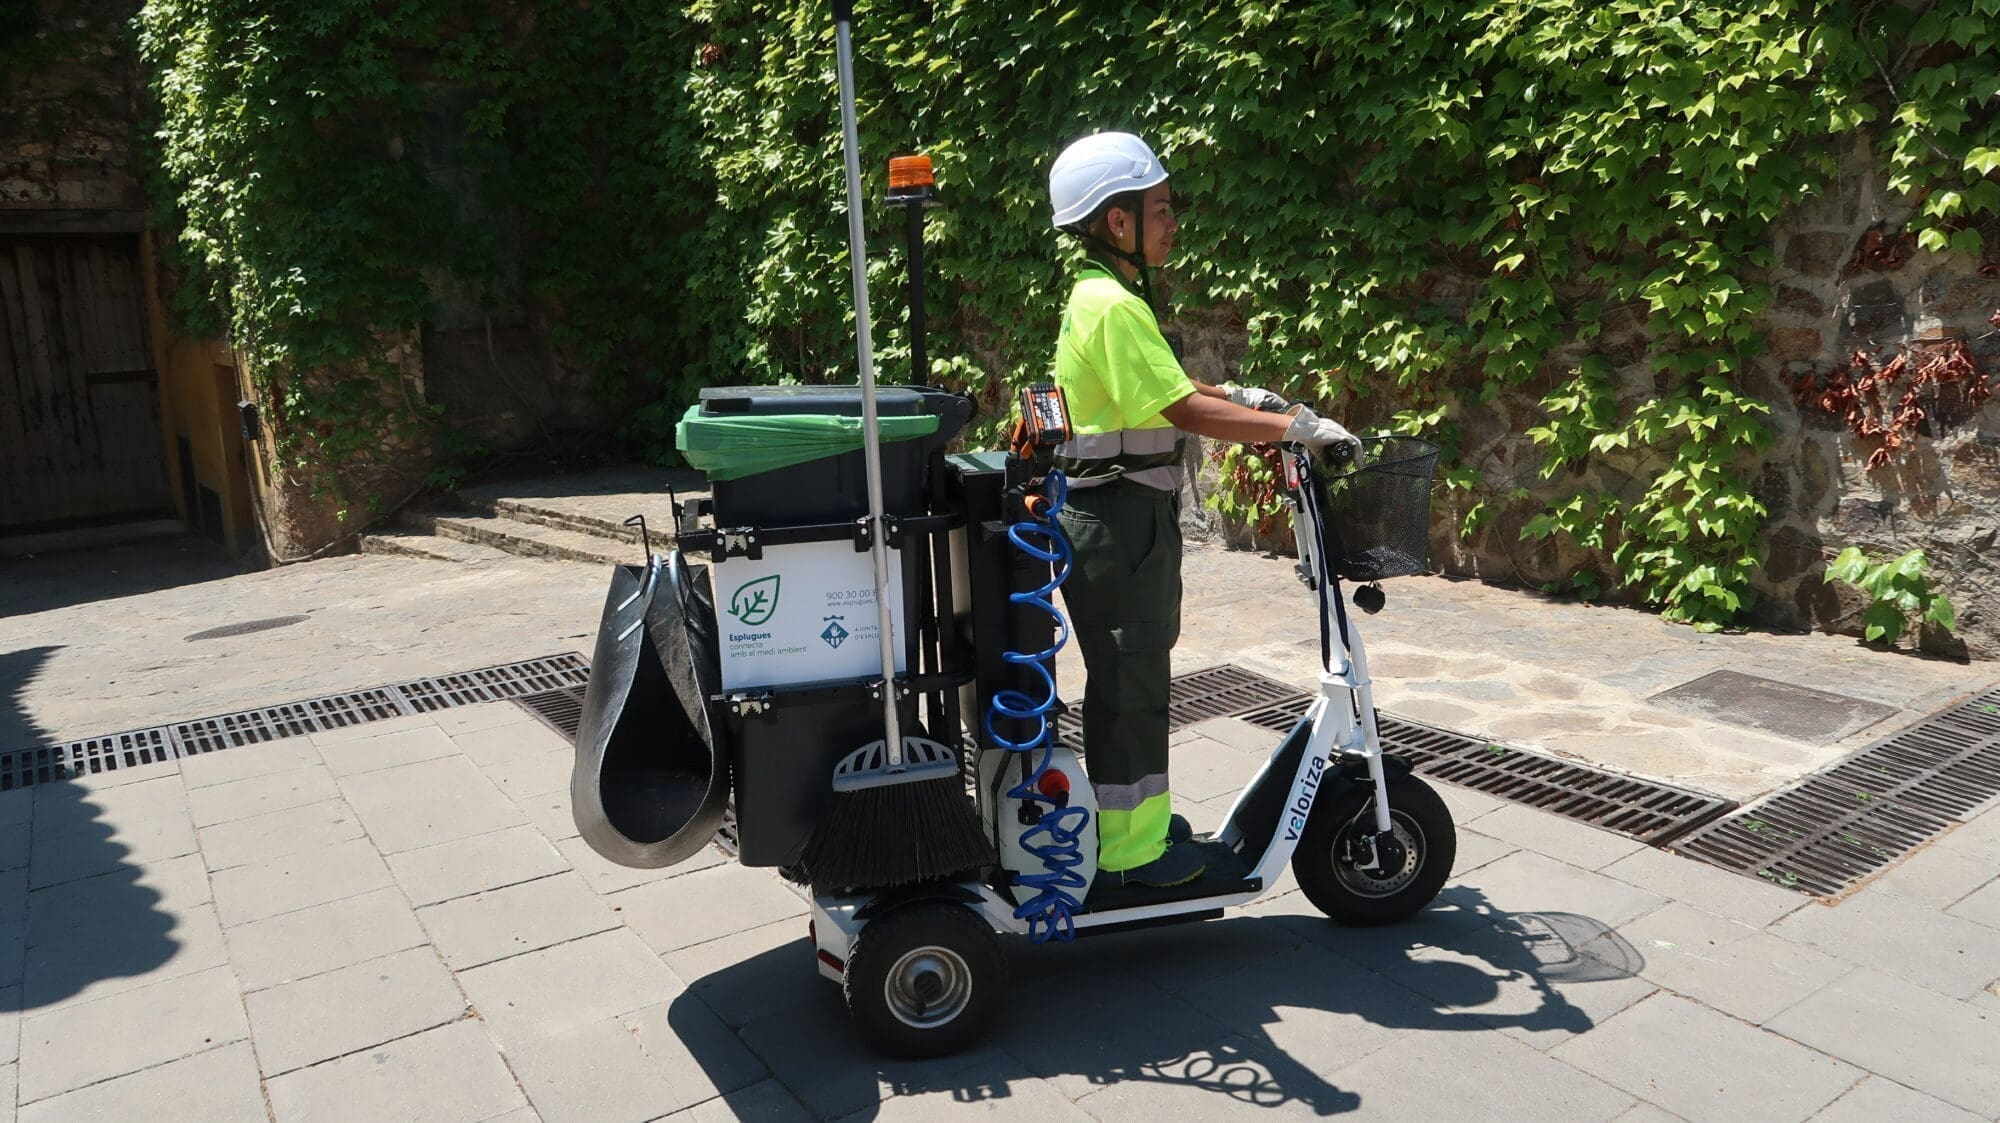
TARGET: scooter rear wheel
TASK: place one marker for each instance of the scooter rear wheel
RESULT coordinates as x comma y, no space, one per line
1339,888
925,980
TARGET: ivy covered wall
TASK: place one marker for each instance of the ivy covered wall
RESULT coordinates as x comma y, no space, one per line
1556,235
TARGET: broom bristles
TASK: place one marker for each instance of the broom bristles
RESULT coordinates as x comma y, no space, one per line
897,834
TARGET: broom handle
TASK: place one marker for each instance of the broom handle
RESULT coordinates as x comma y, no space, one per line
871,443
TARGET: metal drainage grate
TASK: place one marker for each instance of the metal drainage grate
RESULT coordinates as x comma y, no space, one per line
51,763
1198,696
560,710
1650,812
1870,810
1223,691
293,719
48,764
495,684
1782,709
1419,744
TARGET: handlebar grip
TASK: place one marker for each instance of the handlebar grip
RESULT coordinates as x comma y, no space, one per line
1338,455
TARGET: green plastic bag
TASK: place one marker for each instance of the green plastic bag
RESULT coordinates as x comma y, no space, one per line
732,446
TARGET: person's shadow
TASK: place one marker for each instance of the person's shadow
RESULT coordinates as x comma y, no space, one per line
75,913
1255,1009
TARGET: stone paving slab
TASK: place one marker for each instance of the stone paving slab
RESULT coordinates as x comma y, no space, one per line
646,1064
1722,1065
1876,1099
500,923
1905,1032
218,1086
296,881
352,1008
73,1046
416,805
569,986
1949,954
1732,967
299,945
465,866
137,944
278,834
451,1074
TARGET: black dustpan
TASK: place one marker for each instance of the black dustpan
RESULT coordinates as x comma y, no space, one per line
650,783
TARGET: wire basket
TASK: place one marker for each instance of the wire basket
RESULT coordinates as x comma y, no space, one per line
1377,519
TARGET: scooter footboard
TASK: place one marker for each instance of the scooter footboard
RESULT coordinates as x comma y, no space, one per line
1268,807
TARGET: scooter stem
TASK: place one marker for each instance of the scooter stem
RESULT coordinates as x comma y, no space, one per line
871,437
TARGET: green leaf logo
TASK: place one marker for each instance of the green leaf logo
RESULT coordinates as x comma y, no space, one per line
754,602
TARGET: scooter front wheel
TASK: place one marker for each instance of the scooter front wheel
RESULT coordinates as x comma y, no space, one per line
1328,860
925,980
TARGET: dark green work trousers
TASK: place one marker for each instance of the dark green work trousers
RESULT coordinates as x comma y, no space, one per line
1124,601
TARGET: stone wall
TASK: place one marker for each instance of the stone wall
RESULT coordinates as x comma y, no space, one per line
68,123
1848,278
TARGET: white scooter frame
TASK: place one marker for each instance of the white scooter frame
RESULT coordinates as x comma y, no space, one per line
1341,732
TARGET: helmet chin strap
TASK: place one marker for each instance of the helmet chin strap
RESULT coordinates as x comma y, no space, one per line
1136,257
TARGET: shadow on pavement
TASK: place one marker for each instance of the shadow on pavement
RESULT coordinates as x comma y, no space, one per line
1262,1010
51,581
74,911
18,671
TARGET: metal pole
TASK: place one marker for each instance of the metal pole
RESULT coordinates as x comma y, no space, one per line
920,361
871,436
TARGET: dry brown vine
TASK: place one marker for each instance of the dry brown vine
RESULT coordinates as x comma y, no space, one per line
1863,392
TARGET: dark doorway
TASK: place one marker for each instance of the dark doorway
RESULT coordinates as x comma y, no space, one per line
80,441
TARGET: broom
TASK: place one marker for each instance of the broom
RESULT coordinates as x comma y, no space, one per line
899,812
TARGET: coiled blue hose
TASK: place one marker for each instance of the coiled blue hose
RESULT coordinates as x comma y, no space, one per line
1056,838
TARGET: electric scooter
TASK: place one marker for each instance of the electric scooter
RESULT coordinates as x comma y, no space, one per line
922,967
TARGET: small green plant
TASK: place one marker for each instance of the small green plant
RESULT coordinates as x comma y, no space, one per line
1898,591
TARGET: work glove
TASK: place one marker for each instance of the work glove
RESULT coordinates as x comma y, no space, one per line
1318,433
1254,397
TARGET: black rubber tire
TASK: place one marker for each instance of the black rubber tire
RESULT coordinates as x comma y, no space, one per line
1329,883
957,939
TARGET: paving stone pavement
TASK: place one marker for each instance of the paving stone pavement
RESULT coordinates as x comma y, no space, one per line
374,925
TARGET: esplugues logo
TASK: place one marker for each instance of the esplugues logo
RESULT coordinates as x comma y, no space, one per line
755,601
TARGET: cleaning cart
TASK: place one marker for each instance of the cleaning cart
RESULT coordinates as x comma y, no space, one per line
844,669
979,560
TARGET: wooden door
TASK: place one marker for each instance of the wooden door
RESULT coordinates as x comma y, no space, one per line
79,398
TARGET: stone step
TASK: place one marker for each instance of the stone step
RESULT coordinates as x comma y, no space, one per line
525,539
415,544
596,503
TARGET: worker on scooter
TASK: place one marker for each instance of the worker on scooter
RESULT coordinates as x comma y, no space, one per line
1130,407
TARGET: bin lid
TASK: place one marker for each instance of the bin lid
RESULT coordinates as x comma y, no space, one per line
734,445
840,399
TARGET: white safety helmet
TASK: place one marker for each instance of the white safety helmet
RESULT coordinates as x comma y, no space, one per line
1092,170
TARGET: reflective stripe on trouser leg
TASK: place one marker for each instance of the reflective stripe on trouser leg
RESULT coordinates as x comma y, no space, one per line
1123,597
1130,839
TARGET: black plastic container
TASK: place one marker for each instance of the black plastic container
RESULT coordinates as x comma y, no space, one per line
784,749
833,488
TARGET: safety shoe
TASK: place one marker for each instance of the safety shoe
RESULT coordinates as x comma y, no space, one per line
1178,829
1178,866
